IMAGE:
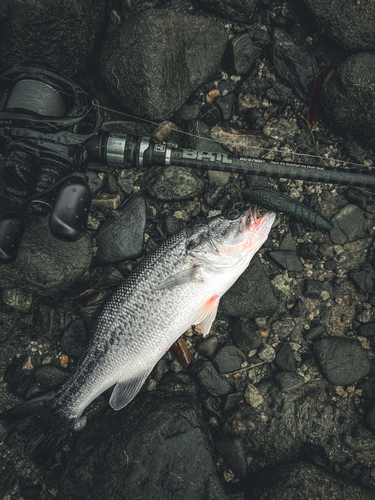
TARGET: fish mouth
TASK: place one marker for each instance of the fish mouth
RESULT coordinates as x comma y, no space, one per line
255,219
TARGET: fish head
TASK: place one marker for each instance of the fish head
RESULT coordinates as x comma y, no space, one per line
230,237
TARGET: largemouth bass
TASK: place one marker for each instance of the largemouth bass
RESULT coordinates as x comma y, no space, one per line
178,285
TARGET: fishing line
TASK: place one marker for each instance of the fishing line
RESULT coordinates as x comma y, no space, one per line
322,158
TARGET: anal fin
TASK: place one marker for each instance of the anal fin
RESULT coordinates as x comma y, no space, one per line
206,314
126,390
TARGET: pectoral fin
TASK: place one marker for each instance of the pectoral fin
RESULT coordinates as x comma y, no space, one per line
206,314
187,276
126,390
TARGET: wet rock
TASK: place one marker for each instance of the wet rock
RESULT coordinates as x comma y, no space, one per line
358,245
289,381
122,238
172,224
229,359
342,361
232,401
31,491
74,340
96,184
52,477
210,115
19,380
292,63
172,183
312,289
308,251
368,388
283,326
213,195
240,55
347,99
50,377
42,257
20,300
125,180
236,10
47,322
361,280
356,197
287,243
126,454
241,300
252,396
8,476
305,480
179,52
232,449
225,106
367,330
331,265
350,221
211,404
267,353
350,25
61,35
297,309
246,334
208,377
285,359
208,346
315,332
187,112
288,259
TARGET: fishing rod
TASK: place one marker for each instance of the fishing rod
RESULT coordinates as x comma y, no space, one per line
143,152
50,131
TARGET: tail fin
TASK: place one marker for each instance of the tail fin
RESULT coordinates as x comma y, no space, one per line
41,423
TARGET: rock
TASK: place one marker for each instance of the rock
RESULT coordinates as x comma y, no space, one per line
367,330
289,381
288,259
356,197
209,378
313,289
74,340
52,477
172,183
251,296
293,63
287,243
252,396
208,346
305,481
241,11
47,322
229,359
225,105
240,55
122,238
285,359
368,388
347,100
308,251
233,450
350,220
134,448
8,476
20,300
342,361
172,51
211,404
350,25
361,280
50,377
267,353
41,258
314,332
283,326
246,334
61,35
19,380
297,309
31,491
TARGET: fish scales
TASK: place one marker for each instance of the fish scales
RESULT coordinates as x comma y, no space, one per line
178,285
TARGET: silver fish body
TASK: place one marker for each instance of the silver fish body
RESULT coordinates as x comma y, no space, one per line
178,285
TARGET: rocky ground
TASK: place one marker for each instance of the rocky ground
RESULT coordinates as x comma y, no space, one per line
303,418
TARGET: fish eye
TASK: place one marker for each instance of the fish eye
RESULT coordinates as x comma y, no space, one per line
232,214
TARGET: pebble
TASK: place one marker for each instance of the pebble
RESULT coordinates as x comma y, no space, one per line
49,377
267,353
289,381
232,449
252,396
209,378
229,359
74,339
208,346
342,361
18,299
288,259
107,200
246,334
285,359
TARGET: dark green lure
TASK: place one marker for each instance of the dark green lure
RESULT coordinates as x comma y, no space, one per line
272,199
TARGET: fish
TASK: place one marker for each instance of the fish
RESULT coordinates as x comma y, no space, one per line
178,285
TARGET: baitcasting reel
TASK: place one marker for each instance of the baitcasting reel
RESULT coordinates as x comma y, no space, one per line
49,131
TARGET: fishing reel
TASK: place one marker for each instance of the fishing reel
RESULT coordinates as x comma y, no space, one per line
45,119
